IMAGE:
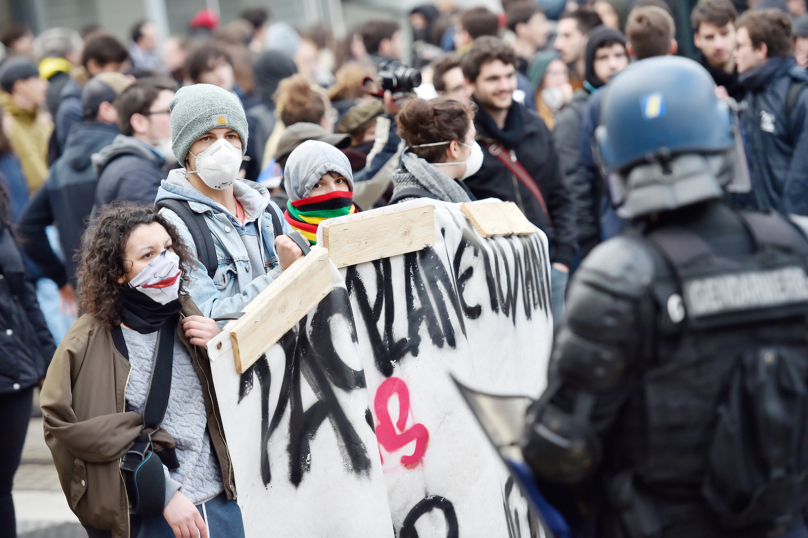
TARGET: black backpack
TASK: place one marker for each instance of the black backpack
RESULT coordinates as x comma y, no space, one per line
751,431
203,237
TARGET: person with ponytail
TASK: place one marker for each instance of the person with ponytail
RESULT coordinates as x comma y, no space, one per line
319,183
441,151
133,280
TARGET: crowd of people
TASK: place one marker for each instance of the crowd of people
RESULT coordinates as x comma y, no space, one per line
147,189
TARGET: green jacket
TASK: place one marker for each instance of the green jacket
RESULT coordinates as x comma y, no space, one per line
88,430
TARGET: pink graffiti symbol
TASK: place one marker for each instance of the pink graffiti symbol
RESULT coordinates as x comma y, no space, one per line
387,434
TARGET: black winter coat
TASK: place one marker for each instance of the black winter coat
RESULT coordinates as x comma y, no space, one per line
533,147
65,198
585,194
777,143
128,170
26,344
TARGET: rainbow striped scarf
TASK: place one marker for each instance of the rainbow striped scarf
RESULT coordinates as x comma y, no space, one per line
306,214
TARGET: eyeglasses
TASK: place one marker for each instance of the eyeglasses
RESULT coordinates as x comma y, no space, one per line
155,112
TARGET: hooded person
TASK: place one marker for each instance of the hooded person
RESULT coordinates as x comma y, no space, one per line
319,183
269,68
608,45
242,247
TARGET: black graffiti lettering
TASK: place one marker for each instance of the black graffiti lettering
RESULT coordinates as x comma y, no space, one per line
471,312
536,269
508,299
324,353
427,504
512,515
387,351
437,276
322,369
470,238
414,287
261,370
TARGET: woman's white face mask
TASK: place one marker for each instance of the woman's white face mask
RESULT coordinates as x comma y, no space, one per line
160,280
473,162
218,165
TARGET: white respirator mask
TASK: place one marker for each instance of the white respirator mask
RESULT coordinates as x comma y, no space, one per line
218,165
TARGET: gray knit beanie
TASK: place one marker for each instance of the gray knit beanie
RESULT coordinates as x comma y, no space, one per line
197,109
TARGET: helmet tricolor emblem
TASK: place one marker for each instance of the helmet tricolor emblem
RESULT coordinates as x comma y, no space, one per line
653,106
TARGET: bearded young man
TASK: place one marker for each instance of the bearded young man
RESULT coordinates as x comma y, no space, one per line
520,164
713,25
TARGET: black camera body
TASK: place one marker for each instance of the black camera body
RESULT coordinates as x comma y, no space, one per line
396,77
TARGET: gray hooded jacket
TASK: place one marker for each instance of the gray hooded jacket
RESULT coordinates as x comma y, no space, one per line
128,169
307,164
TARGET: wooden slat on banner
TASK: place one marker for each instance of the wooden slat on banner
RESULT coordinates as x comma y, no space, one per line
280,307
367,237
496,219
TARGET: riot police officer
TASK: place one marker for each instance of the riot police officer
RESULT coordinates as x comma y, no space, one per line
677,403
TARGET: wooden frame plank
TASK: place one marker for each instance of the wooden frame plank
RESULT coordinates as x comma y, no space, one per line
280,307
496,219
367,237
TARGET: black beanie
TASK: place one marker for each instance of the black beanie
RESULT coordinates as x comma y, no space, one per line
269,68
14,70
801,26
598,37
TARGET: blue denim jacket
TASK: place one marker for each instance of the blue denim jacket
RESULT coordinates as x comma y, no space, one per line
232,287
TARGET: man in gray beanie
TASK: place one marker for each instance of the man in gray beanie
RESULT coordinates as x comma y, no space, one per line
209,137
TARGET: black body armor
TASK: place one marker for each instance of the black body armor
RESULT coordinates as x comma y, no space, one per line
678,387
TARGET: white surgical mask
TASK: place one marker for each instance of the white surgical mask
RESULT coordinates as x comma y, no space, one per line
163,147
473,163
553,97
218,165
160,280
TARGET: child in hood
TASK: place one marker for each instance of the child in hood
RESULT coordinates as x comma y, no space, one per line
319,183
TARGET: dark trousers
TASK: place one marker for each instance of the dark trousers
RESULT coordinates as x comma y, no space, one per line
15,408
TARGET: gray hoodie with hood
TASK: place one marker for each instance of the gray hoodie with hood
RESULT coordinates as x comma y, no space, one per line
307,164
128,169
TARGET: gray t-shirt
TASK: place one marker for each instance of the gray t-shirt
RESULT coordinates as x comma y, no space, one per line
198,475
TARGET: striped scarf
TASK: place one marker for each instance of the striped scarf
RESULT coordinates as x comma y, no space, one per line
306,214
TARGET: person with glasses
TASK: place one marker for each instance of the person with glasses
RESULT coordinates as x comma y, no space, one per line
447,76
66,197
132,167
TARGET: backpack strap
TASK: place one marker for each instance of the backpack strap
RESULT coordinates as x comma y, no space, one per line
276,221
679,246
411,192
771,229
201,234
120,342
793,94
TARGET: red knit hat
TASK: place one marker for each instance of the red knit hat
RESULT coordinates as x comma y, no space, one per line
207,18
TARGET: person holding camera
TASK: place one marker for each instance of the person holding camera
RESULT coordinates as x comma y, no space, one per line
130,411
231,226
441,151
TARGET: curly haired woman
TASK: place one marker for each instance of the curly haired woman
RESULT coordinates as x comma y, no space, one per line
132,281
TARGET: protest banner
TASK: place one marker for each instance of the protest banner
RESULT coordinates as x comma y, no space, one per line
349,424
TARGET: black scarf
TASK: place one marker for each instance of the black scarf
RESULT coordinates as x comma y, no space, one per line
757,78
143,314
511,135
